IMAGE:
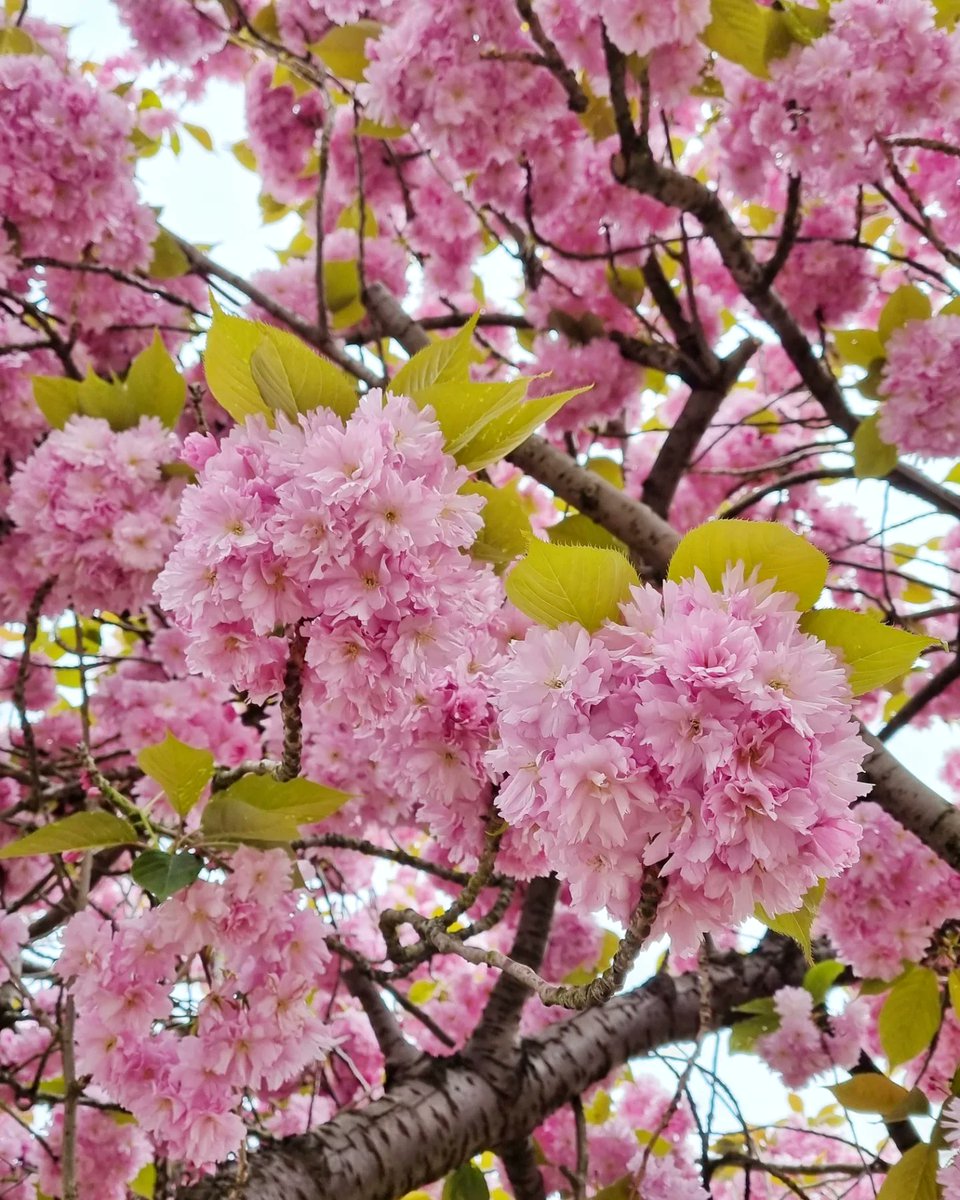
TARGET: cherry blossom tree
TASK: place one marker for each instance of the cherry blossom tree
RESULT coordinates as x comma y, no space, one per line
447,677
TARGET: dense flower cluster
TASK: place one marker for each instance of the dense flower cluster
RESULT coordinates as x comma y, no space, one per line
167,31
705,731
883,68
919,383
803,1046
640,26
257,1025
65,182
883,910
355,528
97,510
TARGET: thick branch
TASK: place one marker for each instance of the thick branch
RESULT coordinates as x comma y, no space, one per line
399,1054
917,807
501,1016
520,1165
684,437
426,1127
645,533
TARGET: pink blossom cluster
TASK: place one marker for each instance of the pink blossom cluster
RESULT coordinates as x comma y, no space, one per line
354,529
66,181
181,1066
107,1158
805,1045
638,1107
97,511
921,414
641,26
705,731
883,68
170,31
884,909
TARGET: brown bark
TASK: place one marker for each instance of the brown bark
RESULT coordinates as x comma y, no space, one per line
428,1126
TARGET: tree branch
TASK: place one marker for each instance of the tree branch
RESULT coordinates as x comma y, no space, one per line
520,1166
428,1126
400,1056
501,1016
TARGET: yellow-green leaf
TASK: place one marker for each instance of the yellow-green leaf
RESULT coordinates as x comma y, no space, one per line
444,361
14,40
311,381
302,800
244,155
144,1184
154,387
343,49
578,530
422,991
227,820
914,1177
182,771
169,261
910,1016
796,925
858,347
506,523
82,831
582,584
57,398
505,430
954,476
873,1093
199,134
908,303
341,284
873,458
875,653
953,990
779,554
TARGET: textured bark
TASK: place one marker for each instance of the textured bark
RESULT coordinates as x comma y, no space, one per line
917,807
428,1126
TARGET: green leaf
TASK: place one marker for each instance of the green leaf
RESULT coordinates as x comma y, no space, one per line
779,554
872,1093
154,386
82,831
244,155
182,771
583,584
343,49
163,874
821,977
169,261
505,431
466,1183
858,347
302,800
873,458
312,381
874,653
506,523
444,361
908,303
910,1016
914,1177
228,821
57,398
797,925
